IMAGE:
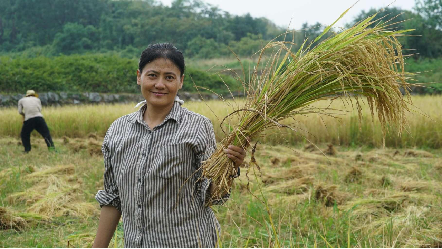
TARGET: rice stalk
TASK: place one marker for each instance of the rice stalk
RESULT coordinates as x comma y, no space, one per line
356,64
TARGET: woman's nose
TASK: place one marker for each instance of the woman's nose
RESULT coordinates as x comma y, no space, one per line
160,84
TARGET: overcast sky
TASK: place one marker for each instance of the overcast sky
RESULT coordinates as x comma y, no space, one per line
301,11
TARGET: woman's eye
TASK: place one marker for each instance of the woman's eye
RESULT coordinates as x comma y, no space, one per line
151,75
169,77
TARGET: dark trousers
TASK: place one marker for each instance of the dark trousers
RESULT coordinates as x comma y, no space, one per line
39,124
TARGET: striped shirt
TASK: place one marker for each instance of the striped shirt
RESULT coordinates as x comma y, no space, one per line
153,177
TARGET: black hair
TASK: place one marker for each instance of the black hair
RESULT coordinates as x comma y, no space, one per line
162,50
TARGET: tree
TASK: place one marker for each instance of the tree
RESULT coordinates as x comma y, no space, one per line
37,22
248,45
382,16
240,26
424,41
88,25
75,38
431,10
200,47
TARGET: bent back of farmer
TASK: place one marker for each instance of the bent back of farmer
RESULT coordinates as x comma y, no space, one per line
30,108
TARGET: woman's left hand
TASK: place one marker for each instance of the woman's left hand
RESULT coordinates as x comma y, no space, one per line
237,154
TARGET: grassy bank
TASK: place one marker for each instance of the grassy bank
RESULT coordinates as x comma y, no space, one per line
424,130
104,73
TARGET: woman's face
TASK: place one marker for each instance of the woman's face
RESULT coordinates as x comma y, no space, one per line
160,81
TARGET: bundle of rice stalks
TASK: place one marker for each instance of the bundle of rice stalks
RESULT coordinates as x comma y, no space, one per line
385,181
330,195
76,147
438,167
416,153
65,140
354,175
293,187
53,194
10,221
310,148
331,151
274,161
94,147
92,136
413,186
59,170
357,62
291,173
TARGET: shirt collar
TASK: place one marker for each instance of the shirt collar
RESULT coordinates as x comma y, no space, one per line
175,112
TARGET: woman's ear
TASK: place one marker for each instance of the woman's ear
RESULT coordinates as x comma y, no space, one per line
181,81
138,77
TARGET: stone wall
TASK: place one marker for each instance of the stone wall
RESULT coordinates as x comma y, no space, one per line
63,98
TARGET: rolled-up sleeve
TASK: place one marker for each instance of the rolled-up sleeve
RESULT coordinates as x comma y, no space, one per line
110,195
207,147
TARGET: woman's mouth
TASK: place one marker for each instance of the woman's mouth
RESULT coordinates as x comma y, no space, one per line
159,94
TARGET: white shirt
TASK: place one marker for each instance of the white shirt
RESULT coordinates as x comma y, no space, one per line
30,107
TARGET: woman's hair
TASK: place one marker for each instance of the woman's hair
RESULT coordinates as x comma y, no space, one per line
162,50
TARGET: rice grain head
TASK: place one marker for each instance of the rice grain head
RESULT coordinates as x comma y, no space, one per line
355,65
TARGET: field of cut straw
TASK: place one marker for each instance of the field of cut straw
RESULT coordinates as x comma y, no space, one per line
300,197
344,191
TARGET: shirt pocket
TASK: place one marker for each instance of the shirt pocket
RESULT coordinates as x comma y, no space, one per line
175,161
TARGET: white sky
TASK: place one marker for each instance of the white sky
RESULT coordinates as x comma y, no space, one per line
301,11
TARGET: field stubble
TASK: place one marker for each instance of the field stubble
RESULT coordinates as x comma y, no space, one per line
301,195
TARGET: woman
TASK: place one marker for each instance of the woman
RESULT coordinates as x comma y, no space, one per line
152,164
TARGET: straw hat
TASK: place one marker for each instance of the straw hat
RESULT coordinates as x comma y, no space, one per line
30,93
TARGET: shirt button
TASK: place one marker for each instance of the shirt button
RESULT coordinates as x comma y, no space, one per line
139,180
139,206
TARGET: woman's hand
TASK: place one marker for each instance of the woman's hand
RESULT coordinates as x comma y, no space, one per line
237,154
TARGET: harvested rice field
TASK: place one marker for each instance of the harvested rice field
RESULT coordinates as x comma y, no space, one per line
296,196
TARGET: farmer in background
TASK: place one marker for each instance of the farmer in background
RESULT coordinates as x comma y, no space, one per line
153,162
30,108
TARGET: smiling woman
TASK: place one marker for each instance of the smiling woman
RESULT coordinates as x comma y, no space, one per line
160,79
153,163
160,82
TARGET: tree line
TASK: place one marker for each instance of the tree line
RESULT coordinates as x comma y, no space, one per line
69,27
65,45
200,30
